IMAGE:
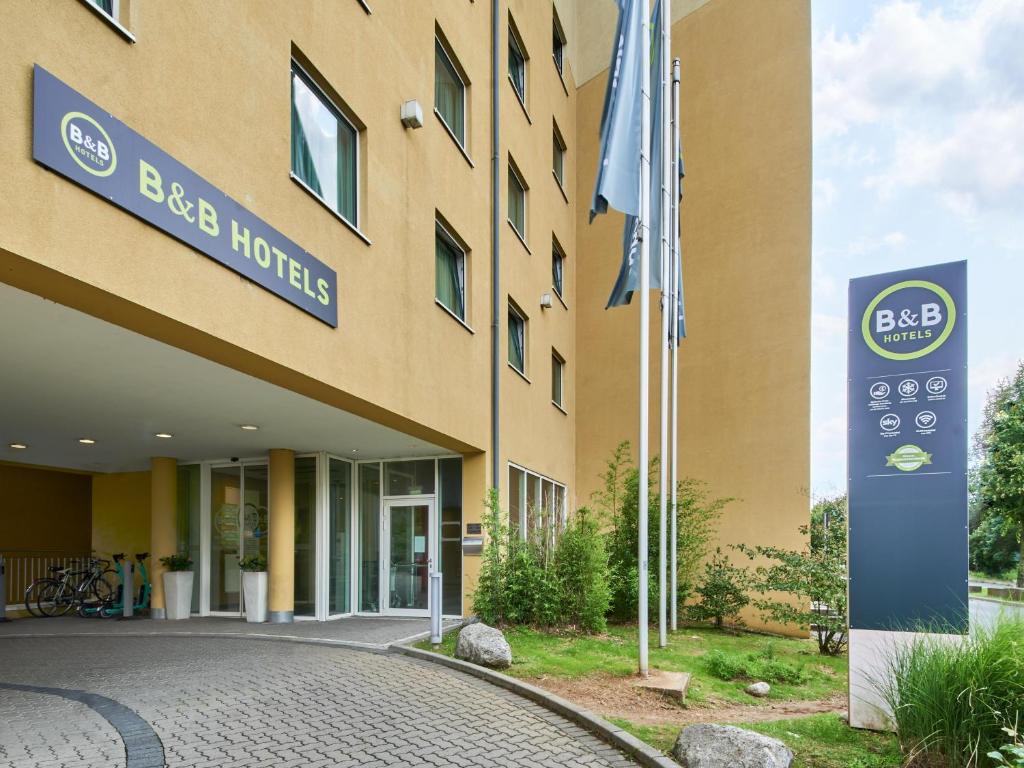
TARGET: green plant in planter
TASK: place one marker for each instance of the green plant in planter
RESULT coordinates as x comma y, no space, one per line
177,562
253,563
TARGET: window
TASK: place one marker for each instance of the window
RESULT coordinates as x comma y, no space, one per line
535,503
557,44
325,148
557,374
557,265
516,63
450,274
449,93
558,156
516,201
516,339
109,7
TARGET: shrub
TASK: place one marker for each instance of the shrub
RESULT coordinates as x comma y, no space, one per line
951,701
581,562
488,597
723,593
994,549
754,667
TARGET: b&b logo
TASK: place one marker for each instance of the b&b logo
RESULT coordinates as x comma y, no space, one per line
88,144
908,320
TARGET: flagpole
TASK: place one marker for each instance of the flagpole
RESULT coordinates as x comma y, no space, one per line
663,250
675,332
645,298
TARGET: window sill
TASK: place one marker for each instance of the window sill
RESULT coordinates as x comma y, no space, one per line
334,213
561,187
560,299
454,138
121,30
561,75
519,237
559,407
453,316
519,98
520,374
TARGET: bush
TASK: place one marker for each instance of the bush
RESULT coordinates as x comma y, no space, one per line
617,507
994,549
951,701
762,666
581,563
723,593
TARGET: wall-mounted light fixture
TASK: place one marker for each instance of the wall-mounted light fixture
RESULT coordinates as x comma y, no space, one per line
412,114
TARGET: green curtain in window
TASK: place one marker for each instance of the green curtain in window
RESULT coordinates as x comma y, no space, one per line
302,157
516,203
516,342
450,277
516,68
449,94
556,272
347,171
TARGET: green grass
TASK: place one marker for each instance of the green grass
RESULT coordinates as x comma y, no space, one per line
817,741
1005,601
536,654
1010,577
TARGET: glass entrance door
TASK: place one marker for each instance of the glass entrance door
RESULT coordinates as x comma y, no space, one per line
239,498
408,558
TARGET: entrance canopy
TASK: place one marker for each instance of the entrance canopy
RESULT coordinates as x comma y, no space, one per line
67,376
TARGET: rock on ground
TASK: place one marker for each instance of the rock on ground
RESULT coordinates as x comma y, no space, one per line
483,645
760,690
725,746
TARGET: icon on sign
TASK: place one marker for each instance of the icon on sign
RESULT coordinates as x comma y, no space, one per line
879,391
925,420
908,458
936,385
889,423
908,387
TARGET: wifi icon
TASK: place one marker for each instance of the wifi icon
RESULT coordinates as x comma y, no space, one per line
925,420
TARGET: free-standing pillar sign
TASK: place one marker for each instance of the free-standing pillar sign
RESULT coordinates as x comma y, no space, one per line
907,441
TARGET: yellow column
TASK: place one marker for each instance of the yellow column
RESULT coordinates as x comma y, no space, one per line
163,538
475,477
281,566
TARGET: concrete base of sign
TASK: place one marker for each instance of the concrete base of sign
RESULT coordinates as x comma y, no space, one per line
670,684
870,652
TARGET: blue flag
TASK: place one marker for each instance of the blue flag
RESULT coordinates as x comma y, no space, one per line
618,171
628,279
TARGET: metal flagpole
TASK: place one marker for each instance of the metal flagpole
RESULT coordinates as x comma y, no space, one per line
676,266
645,298
666,163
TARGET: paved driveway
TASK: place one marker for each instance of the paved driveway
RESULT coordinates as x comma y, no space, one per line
229,701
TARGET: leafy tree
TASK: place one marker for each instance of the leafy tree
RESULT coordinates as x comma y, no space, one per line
815,577
723,593
1000,446
581,566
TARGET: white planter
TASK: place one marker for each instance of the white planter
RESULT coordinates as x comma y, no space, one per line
254,587
178,594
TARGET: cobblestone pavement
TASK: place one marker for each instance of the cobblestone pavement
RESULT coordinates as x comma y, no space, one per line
239,702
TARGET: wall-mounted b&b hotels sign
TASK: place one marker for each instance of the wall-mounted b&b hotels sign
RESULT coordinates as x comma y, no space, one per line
86,144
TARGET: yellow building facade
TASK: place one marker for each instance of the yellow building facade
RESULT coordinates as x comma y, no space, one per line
344,431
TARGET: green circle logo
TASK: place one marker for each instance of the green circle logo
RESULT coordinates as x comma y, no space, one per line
908,320
908,458
88,144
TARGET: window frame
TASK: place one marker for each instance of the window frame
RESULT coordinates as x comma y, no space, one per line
113,18
513,173
515,40
514,310
442,230
441,46
557,361
558,253
528,521
558,143
557,51
297,69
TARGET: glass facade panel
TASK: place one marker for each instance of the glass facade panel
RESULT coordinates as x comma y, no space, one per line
305,536
338,508
516,499
409,478
225,501
450,503
449,93
189,501
409,556
450,275
369,537
532,502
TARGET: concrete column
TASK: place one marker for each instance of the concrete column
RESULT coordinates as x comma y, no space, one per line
163,534
281,566
475,485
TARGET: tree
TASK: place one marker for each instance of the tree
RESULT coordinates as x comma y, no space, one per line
723,593
815,576
1000,448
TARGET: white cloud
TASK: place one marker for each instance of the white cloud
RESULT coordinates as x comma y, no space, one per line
939,92
866,245
828,331
824,193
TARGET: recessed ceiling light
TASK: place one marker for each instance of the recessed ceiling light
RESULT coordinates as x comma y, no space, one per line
86,441
355,450
18,446
249,427
164,435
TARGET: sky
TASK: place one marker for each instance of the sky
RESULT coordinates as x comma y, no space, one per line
918,159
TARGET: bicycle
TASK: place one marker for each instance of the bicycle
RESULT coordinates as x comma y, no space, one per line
114,604
60,595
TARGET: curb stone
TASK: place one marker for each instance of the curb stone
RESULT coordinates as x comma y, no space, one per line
639,750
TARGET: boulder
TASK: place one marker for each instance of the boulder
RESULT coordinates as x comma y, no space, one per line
760,690
483,645
724,746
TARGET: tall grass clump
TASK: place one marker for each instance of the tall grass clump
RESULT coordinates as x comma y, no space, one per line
951,701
